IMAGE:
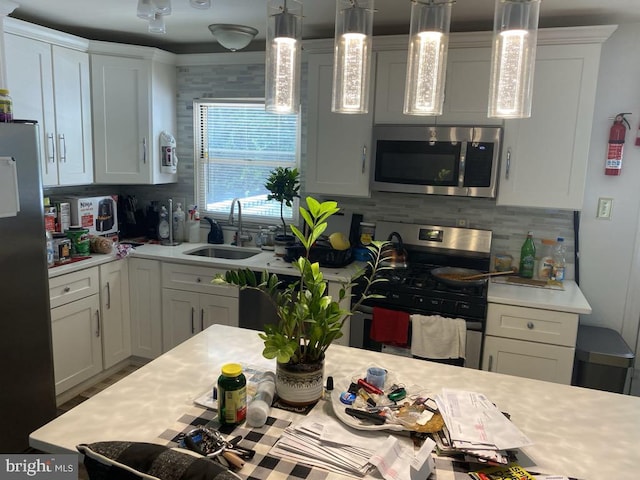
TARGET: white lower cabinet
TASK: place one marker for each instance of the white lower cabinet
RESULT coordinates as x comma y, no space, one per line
186,313
530,342
76,328
146,305
116,318
190,303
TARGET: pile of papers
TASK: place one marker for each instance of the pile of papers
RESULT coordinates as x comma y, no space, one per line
476,427
329,445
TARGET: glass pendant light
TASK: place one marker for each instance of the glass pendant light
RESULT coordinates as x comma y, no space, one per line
515,34
352,56
427,59
284,38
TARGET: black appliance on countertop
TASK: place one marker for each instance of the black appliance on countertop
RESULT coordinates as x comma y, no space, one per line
105,219
413,289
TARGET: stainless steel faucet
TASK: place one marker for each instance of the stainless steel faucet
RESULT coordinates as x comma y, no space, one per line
239,235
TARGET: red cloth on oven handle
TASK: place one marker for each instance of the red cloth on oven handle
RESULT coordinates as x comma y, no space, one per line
390,326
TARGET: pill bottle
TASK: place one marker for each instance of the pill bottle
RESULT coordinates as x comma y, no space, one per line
232,395
260,406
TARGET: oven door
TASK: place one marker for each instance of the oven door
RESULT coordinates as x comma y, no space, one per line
361,329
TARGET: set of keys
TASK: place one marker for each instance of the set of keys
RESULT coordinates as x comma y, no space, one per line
210,443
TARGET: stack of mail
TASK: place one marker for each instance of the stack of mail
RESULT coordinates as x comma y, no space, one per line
474,423
329,445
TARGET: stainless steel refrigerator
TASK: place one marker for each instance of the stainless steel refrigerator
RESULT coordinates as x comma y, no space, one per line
27,391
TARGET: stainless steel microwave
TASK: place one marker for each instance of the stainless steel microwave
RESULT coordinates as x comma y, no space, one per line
437,160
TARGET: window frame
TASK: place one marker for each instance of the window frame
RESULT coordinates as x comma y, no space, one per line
199,181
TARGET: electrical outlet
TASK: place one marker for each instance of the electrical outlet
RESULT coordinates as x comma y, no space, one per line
462,222
604,208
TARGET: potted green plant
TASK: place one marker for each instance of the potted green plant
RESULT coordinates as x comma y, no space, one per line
283,184
309,319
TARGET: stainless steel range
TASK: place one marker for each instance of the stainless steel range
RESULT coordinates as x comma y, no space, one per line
411,288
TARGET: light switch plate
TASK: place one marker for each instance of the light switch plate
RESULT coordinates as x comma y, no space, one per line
604,208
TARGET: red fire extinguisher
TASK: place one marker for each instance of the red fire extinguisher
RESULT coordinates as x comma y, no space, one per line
618,131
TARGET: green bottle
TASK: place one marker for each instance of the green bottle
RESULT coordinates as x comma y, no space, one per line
527,257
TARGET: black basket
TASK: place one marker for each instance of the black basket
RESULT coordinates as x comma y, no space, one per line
323,254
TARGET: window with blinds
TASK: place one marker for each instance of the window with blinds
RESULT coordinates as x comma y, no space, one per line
237,144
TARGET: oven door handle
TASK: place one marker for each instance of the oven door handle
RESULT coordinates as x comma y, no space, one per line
364,309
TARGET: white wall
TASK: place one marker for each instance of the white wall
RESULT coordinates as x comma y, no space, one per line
610,267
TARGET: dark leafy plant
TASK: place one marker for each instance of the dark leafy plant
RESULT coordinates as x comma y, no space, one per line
284,185
309,318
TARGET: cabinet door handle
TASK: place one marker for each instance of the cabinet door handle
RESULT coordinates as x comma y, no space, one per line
66,289
97,323
201,319
508,169
364,157
198,280
530,325
108,296
490,363
63,148
193,326
144,149
52,148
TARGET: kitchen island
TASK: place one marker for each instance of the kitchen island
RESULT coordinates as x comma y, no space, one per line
577,432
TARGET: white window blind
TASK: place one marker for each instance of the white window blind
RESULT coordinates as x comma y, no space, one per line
237,145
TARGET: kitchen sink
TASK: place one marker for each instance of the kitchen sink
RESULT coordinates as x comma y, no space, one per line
228,253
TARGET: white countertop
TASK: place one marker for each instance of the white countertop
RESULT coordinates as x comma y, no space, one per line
569,300
576,431
178,254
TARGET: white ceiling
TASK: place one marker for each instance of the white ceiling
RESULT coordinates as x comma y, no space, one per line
116,20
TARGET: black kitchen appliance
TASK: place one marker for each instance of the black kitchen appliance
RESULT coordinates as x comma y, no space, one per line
105,220
413,289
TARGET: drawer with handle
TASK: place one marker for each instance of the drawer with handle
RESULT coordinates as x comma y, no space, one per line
195,279
73,286
532,324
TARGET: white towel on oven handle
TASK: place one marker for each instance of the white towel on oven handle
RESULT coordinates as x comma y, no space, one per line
437,337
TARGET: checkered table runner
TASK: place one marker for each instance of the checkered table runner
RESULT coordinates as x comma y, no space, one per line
262,466
268,467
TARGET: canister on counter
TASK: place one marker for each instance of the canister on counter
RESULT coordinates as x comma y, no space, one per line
502,262
79,241
61,248
367,233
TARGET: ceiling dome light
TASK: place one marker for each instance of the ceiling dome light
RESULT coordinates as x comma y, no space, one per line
200,4
233,37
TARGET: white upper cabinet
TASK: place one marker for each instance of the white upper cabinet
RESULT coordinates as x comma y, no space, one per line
134,100
466,88
338,145
48,80
544,157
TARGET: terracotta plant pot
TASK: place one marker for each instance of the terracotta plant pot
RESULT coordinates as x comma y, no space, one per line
300,384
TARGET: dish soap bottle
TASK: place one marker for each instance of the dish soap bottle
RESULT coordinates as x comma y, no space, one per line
178,224
528,257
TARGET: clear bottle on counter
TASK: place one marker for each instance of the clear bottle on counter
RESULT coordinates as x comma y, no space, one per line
259,408
545,264
559,260
527,257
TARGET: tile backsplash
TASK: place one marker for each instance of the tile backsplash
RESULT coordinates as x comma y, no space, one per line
509,224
